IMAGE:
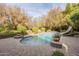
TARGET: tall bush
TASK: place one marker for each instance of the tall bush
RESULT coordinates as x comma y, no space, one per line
21,29
35,29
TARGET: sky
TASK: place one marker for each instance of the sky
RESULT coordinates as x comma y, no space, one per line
38,9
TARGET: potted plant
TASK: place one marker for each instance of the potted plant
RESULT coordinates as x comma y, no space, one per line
57,37
57,53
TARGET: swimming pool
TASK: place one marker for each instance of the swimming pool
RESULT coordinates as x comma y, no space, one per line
40,39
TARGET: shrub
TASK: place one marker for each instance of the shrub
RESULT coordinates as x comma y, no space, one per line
29,31
57,53
35,29
7,34
21,29
1,29
57,35
42,29
48,30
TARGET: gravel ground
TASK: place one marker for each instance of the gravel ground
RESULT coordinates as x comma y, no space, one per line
12,47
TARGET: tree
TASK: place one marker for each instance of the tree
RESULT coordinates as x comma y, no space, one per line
75,20
10,17
72,15
55,19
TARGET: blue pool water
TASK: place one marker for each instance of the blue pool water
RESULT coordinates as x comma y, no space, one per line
40,39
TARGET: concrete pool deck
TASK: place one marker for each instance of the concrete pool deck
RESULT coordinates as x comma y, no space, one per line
12,47
73,45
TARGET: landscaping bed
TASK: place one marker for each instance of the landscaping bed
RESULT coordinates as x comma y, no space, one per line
8,34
